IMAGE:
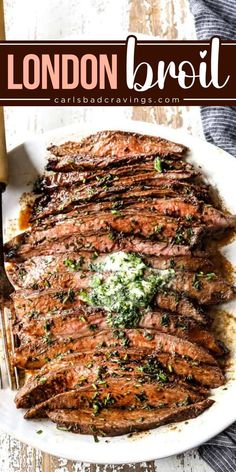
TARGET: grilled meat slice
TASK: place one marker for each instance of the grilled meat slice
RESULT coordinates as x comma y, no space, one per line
70,371
32,356
83,322
16,250
146,224
31,304
189,208
174,169
183,306
119,393
38,269
81,162
207,288
119,144
64,199
116,422
192,371
28,303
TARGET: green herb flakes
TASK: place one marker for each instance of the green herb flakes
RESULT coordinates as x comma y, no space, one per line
158,164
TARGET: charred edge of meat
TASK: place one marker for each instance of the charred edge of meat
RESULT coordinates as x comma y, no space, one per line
118,422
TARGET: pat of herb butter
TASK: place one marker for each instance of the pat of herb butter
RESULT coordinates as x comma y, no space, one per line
123,285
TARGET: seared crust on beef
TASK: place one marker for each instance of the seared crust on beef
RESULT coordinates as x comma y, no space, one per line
28,302
83,321
205,290
36,270
106,242
32,356
116,422
119,143
70,371
63,200
173,169
119,393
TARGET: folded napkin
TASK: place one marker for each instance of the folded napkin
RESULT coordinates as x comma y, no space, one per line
218,18
220,452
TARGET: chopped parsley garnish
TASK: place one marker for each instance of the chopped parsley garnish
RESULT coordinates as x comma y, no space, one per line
154,369
189,218
65,296
196,282
210,275
165,320
158,164
73,264
158,229
22,273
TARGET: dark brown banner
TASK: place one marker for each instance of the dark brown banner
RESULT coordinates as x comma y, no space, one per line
118,73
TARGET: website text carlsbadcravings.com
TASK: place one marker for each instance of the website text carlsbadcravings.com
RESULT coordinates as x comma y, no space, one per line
116,100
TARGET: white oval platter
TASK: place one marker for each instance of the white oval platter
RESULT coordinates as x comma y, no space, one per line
26,162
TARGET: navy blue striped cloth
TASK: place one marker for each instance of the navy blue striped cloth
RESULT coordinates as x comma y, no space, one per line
218,18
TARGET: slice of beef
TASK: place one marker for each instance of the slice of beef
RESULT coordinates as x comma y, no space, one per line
32,304
145,224
118,144
16,250
83,322
175,169
116,422
118,393
189,208
69,371
207,288
81,162
39,268
176,302
63,200
192,371
32,356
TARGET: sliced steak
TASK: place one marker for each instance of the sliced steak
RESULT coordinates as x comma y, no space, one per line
28,303
70,371
83,322
182,305
16,250
32,356
63,200
207,289
81,162
145,224
101,372
37,269
188,208
119,393
176,169
116,422
118,144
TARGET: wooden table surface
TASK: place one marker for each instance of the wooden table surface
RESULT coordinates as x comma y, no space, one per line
63,19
